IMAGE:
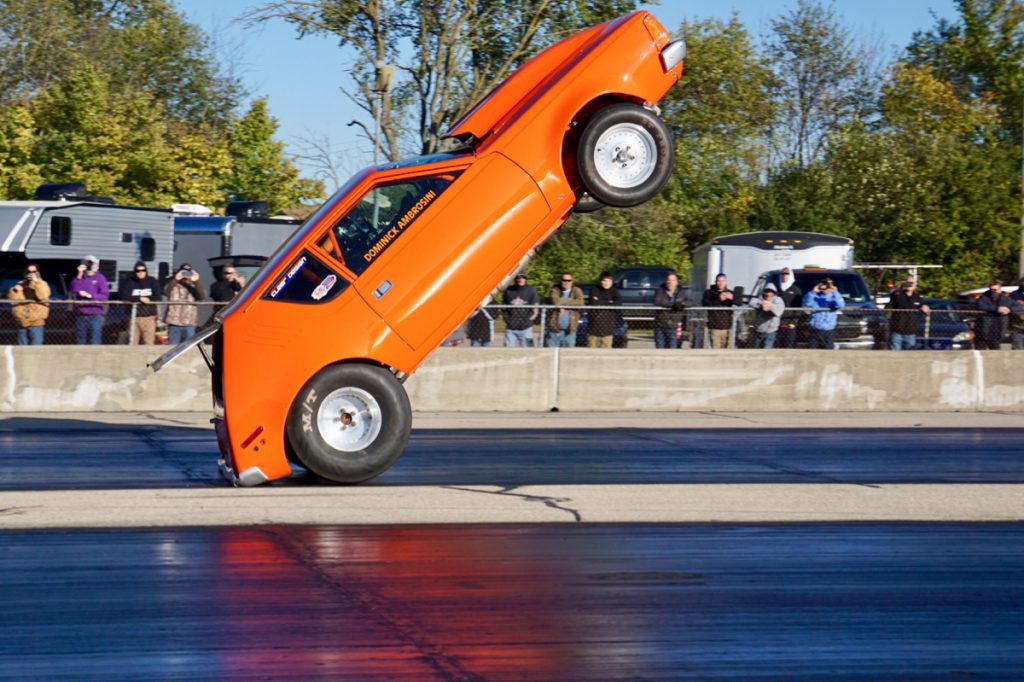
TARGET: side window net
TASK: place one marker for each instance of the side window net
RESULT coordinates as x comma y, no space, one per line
383,214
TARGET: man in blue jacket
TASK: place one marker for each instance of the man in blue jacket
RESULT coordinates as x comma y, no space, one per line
826,300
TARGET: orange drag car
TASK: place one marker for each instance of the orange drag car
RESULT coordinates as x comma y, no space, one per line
309,359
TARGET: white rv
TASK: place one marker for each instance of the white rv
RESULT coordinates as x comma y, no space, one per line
58,234
743,257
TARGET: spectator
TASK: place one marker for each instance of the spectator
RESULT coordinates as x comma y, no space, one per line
719,295
142,290
480,329
601,323
995,317
669,316
907,307
1017,319
89,284
826,300
228,284
182,293
792,297
31,307
519,319
563,322
769,309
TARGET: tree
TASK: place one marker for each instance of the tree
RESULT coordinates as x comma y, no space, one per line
448,54
259,169
824,79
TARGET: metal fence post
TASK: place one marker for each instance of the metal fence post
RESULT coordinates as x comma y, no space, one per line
543,326
131,327
735,327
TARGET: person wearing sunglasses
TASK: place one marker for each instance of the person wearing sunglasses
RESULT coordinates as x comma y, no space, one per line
31,306
142,290
562,323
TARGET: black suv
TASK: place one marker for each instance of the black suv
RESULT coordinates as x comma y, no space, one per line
861,324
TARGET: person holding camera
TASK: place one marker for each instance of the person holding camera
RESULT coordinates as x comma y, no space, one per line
182,292
769,309
91,287
31,306
825,300
668,320
228,284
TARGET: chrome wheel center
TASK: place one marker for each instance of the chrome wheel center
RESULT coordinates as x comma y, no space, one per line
625,155
349,419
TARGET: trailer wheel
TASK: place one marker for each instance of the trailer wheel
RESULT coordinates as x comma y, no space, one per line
625,155
350,422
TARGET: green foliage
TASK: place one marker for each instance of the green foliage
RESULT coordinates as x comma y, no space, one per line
259,169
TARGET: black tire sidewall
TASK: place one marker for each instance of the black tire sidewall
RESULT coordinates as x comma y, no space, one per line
314,453
620,197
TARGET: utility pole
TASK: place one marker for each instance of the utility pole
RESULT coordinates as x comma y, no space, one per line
1020,262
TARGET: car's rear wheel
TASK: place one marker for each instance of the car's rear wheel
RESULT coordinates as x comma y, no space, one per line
625,155
350,422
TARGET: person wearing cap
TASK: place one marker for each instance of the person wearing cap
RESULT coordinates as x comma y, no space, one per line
182,293
668,320
142,290
906,306
522,299
720,296
1017,318
792,296
91,288
769,309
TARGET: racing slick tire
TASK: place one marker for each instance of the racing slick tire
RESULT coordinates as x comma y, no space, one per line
350,422
625,155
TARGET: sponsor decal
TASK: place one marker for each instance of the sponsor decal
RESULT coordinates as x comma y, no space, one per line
324,287
283,282
398,227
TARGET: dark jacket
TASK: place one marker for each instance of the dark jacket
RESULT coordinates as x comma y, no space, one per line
1017,317
132,289
718,319
602,322
906,312
793,297
991,325
223,291
673,305
479,328
525,299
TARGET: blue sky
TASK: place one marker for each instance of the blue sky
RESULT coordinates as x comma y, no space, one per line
301,78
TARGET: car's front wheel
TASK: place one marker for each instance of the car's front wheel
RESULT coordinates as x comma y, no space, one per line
625,155
350,422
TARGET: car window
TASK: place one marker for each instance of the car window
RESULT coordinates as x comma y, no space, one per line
306,280
382,215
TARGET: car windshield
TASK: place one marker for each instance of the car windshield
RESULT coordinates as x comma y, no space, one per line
851,287
942,311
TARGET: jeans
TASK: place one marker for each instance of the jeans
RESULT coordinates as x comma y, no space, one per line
478,343
665,337
561,339
763,339
519,337
89,330
1017,339
899,341
823,338
31,336
176,334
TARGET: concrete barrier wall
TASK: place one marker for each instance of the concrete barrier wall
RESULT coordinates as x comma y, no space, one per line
115,378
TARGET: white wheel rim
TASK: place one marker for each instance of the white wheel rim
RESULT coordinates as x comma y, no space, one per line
349,419
625,155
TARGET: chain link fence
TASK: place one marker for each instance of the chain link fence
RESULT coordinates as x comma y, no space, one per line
610,326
